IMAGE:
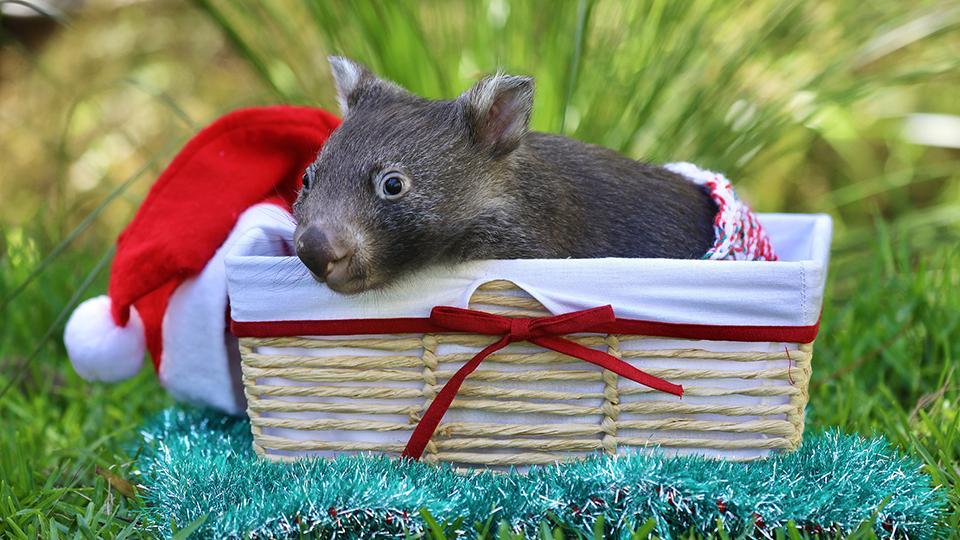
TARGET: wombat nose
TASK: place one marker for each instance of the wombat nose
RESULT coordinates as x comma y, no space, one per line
317,252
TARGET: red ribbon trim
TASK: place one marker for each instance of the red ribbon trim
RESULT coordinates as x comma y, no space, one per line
542,331
417,325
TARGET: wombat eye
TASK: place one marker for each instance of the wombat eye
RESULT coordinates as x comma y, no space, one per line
306,181
391,185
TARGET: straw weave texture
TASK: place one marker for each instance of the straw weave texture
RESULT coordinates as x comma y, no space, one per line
524,405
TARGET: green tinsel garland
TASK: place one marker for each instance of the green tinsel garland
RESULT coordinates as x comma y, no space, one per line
196,463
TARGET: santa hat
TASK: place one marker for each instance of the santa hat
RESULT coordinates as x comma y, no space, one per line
167,291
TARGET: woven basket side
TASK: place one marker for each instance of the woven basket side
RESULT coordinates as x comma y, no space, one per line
524,405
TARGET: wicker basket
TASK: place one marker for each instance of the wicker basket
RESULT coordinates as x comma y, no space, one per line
302,400
744,396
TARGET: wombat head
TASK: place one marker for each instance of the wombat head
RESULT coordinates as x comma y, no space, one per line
404,182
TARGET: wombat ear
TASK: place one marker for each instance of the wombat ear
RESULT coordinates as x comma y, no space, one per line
498,111
347,76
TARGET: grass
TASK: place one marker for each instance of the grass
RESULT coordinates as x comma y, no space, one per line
802,103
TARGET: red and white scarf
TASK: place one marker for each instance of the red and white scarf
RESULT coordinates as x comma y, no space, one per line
739,235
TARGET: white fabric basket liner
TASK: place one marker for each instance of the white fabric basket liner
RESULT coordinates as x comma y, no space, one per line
266,283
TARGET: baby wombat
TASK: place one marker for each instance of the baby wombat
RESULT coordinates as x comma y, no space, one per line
407,182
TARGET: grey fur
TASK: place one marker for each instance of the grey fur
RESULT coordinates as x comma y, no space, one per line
483,187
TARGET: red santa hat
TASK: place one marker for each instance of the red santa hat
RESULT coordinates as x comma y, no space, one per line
167,291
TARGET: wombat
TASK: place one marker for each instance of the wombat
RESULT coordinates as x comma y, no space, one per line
407,182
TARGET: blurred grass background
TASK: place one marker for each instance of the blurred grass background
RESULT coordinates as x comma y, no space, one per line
846,107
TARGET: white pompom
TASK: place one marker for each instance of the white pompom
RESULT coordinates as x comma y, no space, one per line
98,348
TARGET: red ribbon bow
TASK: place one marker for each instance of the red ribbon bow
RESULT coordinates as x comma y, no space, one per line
542,331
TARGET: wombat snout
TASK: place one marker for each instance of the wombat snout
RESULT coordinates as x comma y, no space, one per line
325,257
